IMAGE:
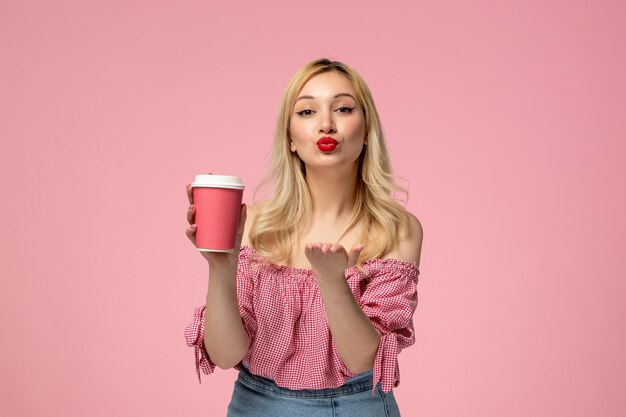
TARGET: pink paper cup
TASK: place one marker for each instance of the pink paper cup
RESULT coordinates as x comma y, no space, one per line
218,205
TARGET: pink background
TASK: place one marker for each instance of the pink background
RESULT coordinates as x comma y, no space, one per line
506,120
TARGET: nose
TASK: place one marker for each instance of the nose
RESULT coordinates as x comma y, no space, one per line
327,123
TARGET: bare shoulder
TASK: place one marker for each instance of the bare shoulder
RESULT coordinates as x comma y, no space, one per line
409,249
251,211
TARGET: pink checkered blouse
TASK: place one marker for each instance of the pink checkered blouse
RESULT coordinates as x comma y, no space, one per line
290,340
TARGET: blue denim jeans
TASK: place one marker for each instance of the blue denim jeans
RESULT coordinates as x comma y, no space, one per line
255,396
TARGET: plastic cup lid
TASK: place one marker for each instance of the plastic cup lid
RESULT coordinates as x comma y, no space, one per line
217,181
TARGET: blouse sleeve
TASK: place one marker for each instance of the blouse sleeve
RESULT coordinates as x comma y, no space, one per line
194,332
389,300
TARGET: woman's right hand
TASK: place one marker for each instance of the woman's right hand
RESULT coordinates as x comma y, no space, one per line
215,258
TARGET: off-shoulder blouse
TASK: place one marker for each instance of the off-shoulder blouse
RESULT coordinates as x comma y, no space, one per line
290,341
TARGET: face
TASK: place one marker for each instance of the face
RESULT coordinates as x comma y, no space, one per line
327,126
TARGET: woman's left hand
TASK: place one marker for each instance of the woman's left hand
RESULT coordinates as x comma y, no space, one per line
330,260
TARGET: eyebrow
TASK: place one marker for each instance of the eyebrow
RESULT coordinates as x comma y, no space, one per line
337,96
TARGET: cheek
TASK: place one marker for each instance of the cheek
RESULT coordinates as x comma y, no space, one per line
356,127
299,130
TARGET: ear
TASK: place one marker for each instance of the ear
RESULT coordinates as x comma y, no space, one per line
292,146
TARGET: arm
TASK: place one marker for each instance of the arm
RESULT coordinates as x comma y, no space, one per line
230,322
225,338
355,337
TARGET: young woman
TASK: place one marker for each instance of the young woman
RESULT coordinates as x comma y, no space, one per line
315,306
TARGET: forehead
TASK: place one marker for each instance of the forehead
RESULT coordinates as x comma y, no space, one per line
327,84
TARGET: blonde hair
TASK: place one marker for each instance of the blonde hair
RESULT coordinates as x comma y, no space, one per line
274,231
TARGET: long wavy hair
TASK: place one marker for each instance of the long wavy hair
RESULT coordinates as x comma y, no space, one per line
383,221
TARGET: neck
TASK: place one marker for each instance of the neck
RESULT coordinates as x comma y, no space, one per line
332,193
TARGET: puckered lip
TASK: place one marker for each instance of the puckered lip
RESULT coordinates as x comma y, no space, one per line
326,140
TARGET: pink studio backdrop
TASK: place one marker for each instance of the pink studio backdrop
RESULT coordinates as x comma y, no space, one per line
506,120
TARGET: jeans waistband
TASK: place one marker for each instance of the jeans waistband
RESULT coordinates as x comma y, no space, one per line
358,383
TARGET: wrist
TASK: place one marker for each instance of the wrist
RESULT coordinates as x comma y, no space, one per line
336,285
223,261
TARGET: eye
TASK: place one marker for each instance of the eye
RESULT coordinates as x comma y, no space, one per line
345,109
305,112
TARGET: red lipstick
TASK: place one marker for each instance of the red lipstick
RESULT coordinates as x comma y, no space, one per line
326,144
